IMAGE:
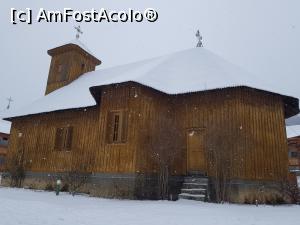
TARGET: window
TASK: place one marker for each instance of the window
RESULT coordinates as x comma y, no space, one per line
63,139
116,127
82,67
60,68
293,154
3,141
2,160
62,73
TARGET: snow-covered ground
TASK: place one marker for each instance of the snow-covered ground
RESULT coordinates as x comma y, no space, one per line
19,206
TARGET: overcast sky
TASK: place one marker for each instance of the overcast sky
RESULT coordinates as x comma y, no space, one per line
262,36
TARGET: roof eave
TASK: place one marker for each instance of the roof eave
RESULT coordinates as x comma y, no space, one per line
291,106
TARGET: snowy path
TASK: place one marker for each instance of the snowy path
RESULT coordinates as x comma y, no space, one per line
19,206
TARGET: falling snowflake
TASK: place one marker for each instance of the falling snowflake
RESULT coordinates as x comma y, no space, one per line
191,133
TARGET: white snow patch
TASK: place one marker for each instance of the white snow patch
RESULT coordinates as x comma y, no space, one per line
19,206
78,43
293,131
186,71
5,126
295,120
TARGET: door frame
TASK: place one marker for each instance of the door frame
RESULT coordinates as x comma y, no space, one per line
187,147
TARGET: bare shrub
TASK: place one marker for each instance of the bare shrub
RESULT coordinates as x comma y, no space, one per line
164,151
79,171
15,166
219,163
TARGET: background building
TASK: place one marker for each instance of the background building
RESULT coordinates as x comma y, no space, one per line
4,137
293,135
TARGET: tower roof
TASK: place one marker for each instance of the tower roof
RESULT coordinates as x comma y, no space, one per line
75,44
191,70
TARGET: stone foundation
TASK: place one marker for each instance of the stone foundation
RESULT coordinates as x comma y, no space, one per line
243,191
108,185
145,186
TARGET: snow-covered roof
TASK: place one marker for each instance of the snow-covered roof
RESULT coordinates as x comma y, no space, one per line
5,126
293,131
190,70
295,120
78,43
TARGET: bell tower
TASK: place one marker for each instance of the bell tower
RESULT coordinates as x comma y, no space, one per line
68,62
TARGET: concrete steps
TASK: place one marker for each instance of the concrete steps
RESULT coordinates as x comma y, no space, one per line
194,191
192,197
194,185
199,180
194,188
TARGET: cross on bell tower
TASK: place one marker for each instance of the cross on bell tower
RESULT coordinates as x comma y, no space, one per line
9,101
199,37
79,31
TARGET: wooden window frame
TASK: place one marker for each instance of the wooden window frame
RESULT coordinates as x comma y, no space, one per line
63,138
117,125
60,73
63,74
116,132
60,68
2,160
82,67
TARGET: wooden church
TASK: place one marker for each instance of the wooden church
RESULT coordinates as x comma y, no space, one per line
188,125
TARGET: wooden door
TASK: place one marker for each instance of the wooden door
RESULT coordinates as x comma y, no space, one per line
196,160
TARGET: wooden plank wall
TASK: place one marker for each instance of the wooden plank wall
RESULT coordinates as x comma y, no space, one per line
160,132
89,135
244,125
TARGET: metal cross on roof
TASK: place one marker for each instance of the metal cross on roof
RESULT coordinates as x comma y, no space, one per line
9,101
79,31
199,37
